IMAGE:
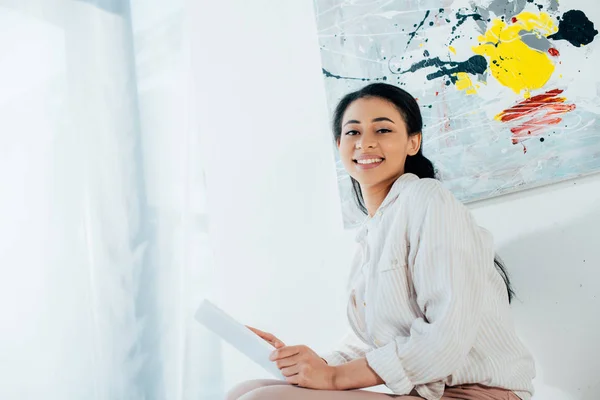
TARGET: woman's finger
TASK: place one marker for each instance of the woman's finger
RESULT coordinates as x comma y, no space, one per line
290,371
287,362
265,335
285,352
293,380
269,337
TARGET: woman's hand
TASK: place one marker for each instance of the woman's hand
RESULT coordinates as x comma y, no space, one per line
268,337
303,367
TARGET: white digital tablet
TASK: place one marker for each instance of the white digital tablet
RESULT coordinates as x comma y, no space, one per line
237,335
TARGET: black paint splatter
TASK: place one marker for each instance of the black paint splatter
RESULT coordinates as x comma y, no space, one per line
425,53
330,75
413,34
453,39
349,78
462,18
474,65
576,28
539,6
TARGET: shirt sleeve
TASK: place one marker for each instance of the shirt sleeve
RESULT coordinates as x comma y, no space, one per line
448,277
350,348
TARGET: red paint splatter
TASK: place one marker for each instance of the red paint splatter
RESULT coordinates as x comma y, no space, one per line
553,52
536,103
436,93
533,127
543,111
514,20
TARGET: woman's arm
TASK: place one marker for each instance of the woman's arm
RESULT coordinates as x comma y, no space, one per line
350,348
355,375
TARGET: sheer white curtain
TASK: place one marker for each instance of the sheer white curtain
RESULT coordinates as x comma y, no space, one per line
104,248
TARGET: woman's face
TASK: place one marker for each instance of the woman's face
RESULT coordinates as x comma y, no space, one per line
374,142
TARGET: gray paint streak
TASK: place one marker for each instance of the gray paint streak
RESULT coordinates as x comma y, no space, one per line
535,42
508,8
482,24
553,6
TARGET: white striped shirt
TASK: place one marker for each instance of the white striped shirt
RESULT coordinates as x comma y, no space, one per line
426,305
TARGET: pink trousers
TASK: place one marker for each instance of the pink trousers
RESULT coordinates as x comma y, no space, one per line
278,390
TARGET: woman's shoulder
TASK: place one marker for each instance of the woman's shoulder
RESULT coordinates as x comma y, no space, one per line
429,197
425,196
424,191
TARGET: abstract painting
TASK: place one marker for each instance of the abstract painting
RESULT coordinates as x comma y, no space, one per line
509,89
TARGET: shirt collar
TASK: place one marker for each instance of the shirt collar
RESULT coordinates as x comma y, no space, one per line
392,195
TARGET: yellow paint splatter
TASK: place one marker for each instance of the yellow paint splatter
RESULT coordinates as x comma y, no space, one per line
513,63
452,49
463,82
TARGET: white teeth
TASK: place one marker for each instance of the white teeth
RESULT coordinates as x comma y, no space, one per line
370,161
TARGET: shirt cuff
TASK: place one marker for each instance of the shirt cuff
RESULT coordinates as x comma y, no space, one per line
334,359
385,363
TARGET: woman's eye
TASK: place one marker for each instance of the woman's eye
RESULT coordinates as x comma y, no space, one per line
383,130
352,133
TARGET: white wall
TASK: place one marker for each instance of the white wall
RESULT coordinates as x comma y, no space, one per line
280,249
549,240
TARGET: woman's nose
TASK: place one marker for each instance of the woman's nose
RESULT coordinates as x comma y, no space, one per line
367,142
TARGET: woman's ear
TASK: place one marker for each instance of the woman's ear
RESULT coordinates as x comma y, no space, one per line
414,144
337,141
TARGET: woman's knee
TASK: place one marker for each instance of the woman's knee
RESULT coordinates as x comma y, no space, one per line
290,392
246,387
275,392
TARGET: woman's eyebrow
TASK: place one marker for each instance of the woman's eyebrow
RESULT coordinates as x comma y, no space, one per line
378,119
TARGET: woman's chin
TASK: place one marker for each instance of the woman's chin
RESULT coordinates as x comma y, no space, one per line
366,181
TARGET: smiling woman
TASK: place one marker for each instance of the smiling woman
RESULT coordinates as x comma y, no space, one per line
428,303
404,135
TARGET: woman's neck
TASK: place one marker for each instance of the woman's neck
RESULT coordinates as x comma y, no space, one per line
374,195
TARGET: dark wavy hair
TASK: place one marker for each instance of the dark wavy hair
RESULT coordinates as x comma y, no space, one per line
418,164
